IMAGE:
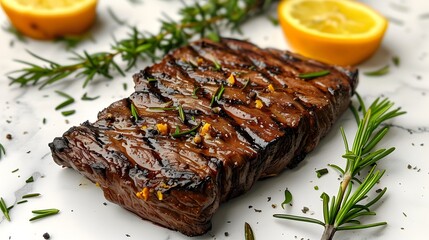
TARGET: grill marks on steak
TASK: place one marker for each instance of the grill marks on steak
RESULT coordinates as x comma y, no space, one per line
188,180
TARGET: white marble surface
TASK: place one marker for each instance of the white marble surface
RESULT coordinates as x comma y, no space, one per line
84,214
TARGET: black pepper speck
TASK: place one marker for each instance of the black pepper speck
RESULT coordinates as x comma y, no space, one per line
46,236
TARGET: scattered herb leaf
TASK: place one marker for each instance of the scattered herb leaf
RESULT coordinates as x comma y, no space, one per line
195,91
68,113
69,100
85,97
16,170
134,112
311,75
248,232
379,72
177,133
44,213
125,86
4,209
31,195
30,180
181,114
322,172
288,198
396,61
22,201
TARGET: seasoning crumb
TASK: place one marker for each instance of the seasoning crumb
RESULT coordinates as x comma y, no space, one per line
268,199
379,190
9,136
105,203
273,205
250,206
404,214
257,210
128,235
226,234
305,210
409,166
46,236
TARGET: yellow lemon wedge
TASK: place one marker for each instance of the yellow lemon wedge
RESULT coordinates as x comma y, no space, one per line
50,19
343,32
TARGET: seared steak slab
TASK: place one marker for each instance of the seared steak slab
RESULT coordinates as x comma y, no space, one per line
202,126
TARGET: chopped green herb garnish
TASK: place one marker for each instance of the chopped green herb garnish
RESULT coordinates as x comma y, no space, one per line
152,80
134,112
2,151
311,75
68,113
162,108
217,66
16,170
248,232
22,201
30,180
67,102
181,114
125,86
44,213
321,172
44,121
396,60
380,72
85,97
4,209
246,84
217,95
194,93
288,198
177,133
316,188
31,195
214,36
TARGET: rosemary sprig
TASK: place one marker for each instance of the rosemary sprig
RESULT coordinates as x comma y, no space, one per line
341,212
44,213
199,20
4,209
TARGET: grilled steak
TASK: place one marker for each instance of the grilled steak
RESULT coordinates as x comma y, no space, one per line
202,126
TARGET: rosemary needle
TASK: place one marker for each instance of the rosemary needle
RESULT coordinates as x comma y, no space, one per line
4,209
44,213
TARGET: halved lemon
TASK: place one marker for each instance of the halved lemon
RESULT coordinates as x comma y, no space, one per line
49,19
342,32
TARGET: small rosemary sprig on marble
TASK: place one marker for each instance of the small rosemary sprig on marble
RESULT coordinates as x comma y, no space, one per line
343,211
202,19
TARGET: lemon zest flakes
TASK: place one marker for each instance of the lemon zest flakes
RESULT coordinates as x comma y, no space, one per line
162,128
143,194
205,129
231,79
258,104
159,195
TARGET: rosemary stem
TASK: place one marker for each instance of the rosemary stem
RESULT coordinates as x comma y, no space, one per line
329,232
